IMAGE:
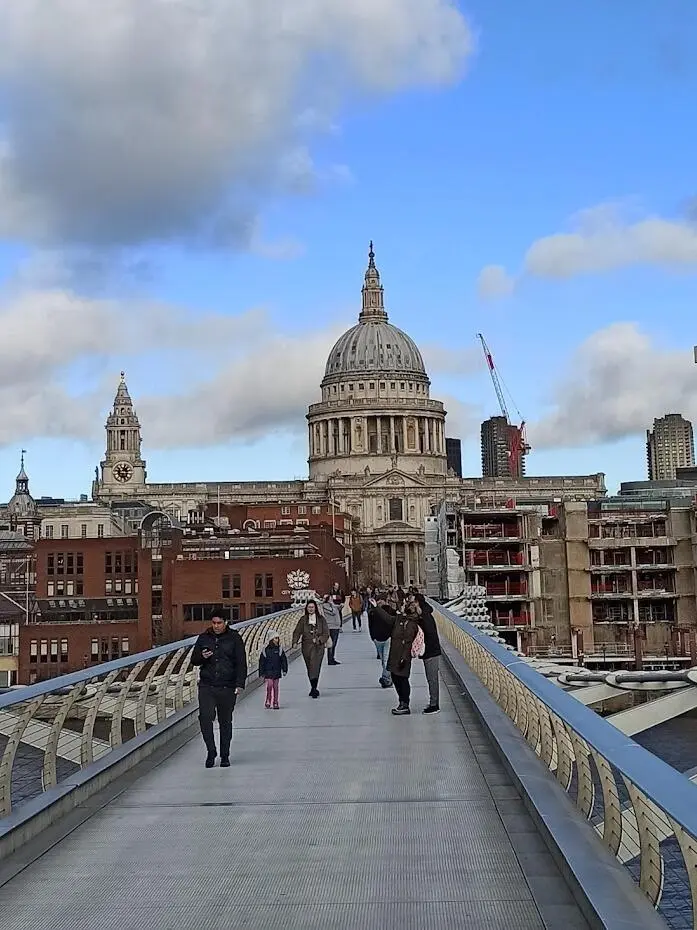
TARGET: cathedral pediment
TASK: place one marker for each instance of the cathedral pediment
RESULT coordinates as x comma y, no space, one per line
395,479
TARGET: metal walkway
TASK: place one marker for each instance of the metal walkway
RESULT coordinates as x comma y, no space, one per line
335,815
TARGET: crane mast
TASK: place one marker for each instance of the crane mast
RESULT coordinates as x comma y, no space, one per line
518,446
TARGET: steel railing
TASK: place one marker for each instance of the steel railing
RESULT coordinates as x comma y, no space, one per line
50,730
644,810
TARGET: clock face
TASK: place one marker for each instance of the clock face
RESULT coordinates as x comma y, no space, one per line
122,472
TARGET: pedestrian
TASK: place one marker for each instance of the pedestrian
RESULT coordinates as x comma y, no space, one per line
273,665
338,596
405,630
332,614
313,635
432,651
222,657
381,620
356,608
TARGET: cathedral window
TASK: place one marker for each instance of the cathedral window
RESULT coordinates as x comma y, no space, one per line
48,531
100,530
65,531
396,508
83,530
360,386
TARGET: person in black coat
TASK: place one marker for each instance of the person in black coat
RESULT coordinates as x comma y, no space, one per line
381,620
432,652
222,657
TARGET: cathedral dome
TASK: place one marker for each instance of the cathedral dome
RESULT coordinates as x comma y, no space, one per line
374,345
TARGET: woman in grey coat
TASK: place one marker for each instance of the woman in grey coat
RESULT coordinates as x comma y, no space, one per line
332,614
312,633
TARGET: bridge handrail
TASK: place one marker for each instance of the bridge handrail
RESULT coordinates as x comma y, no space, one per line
101,709
42,688
635,801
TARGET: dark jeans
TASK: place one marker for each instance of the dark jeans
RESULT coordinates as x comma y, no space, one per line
403,688
334,635
356,619
214,701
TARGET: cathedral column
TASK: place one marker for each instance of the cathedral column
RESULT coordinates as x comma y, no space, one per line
407,563
392,437
404,433
310,440
378,426
427,435
381,548
417,564
340,435
393,561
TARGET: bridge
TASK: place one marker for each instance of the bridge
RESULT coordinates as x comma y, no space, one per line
516,806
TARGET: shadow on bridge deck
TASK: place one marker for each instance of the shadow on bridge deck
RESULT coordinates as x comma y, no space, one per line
334,815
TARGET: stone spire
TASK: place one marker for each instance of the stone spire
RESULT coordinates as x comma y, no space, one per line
22,508
123,461
373,293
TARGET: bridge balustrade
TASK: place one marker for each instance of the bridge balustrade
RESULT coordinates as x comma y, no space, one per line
643,810
57,734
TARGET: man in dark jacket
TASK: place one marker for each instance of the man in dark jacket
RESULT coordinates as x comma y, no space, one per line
381,620
221,654
432,652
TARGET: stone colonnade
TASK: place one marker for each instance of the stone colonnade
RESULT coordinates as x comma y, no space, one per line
380,435
400,563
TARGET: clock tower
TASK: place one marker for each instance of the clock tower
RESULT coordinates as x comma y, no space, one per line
123,469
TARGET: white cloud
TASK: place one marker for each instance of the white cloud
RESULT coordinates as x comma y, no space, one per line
451,360
618,382
238,376
130,121
494,281
602,239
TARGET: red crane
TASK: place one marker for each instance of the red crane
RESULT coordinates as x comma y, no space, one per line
518,446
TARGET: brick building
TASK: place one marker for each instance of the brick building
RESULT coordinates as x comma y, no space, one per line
103,598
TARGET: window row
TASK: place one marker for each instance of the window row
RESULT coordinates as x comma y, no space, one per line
49,531
302,509
64,563
65,588
45,650
120,585
231,586
121,563
233,613
108,648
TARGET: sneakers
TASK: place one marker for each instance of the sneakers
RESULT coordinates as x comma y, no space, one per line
267,705
432,709
276,707
210,760
401,711
225,762
384,684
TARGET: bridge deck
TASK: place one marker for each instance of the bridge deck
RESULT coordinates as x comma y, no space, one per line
335,815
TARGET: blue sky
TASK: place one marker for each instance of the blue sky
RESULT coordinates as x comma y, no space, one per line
562,108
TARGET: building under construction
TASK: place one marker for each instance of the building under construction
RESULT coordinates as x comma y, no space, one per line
497,440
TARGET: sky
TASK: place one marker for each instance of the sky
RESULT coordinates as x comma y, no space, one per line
188,189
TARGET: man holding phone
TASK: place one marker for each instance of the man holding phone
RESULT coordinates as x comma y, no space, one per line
221,654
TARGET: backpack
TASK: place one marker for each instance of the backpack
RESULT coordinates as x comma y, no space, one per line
418,647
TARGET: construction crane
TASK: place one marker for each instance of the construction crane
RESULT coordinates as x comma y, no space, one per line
518,446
